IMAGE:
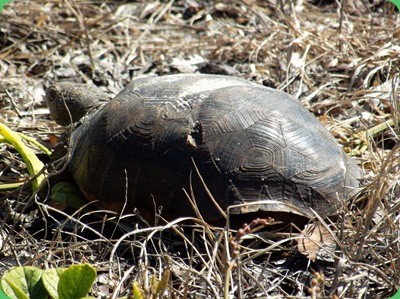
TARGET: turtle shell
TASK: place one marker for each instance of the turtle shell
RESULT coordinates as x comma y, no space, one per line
249,143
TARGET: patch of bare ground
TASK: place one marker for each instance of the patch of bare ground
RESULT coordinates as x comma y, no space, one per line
340,58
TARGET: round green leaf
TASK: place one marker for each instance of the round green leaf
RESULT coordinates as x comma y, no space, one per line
2,3
50,279
23,283
69,194
2,295
76,281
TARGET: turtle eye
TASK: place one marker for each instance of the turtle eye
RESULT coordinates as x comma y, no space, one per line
50,93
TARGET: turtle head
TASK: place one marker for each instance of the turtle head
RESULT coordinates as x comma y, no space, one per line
69,102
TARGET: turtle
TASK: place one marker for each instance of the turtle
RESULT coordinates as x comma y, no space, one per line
222,141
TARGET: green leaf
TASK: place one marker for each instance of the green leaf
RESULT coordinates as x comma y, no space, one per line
33,164
2,295
16,292
50,280
162,285
153,286
68,193
138,292
396,296
23,283
76,281
2,3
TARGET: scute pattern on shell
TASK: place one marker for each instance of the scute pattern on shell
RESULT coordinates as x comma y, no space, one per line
249,142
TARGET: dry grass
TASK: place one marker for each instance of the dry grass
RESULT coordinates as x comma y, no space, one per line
341,59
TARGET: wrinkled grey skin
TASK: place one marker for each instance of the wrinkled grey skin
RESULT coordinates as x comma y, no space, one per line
250,144
80,99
